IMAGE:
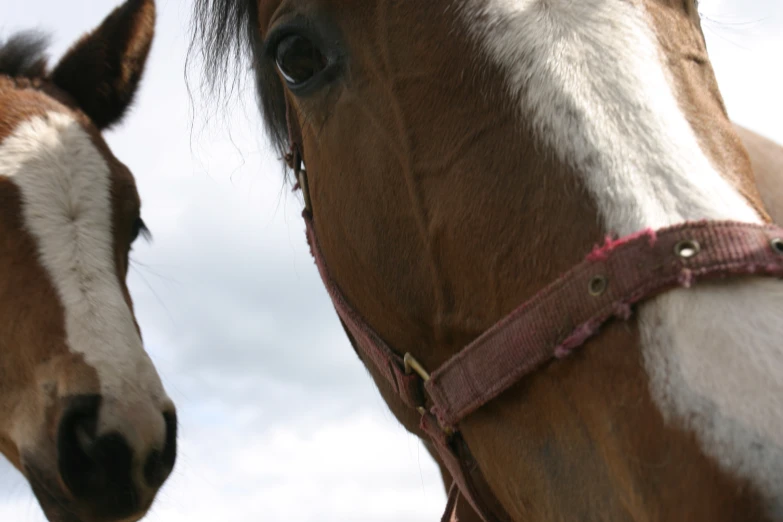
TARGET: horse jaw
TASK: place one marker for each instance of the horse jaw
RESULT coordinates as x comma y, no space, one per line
766,156
603,101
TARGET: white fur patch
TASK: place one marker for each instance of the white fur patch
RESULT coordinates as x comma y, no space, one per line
65,184
588,76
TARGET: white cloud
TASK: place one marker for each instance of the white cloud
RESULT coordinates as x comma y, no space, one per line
745,40
309,473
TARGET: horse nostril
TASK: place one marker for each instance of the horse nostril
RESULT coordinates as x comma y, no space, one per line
154,472
75,438
102,471
169,456
96,470
159,465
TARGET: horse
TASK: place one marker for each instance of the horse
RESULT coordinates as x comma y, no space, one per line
766,158
544,239
83,412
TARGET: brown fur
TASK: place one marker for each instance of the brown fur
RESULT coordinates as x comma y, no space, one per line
683,44
438,213
94,83
766,156
102,70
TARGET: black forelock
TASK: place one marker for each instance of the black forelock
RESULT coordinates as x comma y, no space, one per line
227,39
23,55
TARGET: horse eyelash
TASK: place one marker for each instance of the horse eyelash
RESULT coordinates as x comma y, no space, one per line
144,232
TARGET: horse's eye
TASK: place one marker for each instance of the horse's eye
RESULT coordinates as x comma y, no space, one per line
298,59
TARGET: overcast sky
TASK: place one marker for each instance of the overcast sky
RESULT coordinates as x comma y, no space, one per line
279,420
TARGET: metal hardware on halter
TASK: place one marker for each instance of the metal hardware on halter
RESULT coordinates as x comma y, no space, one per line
294,161
687,248
414,366
597,285
301,177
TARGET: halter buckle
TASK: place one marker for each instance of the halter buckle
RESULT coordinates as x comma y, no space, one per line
414,366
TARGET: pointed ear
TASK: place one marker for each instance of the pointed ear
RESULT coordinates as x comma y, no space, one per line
103,69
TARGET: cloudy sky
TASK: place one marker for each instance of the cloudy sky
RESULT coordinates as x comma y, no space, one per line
279,420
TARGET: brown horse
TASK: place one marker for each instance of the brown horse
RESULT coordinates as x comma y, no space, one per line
766,156
83,413
463,154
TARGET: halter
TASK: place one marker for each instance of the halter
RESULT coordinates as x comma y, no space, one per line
550,325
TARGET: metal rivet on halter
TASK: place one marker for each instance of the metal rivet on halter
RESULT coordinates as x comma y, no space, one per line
777,245
597,285
687,249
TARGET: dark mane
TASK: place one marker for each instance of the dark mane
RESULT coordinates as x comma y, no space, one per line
226,34
23,55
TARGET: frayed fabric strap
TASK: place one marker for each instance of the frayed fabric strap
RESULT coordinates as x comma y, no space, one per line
605,285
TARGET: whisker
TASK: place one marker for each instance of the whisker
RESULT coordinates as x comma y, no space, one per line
152,289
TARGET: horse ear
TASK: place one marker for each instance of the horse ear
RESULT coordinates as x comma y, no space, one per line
103,69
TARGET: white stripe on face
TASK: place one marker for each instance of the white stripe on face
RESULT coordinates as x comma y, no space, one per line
65,186
588,76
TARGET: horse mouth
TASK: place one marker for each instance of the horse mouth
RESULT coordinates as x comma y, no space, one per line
58,505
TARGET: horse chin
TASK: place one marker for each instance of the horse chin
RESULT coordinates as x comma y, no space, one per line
57,508
55,504
53,510
54,501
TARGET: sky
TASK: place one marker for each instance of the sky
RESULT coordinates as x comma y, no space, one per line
279,421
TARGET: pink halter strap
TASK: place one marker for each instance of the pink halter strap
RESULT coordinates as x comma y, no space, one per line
605,285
